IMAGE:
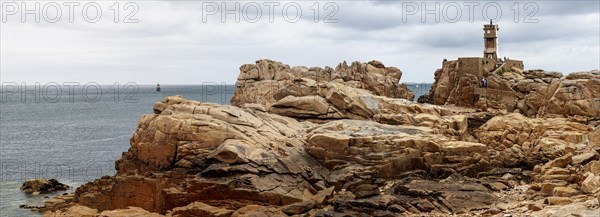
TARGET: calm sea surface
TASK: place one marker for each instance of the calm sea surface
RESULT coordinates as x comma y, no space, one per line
76,134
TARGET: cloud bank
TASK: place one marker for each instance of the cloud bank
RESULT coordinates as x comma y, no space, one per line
187,42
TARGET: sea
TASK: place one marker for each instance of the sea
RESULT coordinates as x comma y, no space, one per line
75,132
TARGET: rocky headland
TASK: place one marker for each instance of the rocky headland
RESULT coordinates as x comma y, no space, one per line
350,141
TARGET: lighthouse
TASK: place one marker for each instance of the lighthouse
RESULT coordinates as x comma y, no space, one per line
490,41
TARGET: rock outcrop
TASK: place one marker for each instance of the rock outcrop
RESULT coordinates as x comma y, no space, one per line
193,157
230,157
221,155
336,147
304,98
42,186
531,141
535,93
268,81
575,94
364,150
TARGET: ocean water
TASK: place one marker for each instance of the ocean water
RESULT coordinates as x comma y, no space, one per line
76,135
419,89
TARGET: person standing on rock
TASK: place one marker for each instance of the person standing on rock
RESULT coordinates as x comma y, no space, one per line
484,82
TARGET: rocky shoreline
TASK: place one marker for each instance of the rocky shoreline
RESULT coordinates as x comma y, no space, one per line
349,141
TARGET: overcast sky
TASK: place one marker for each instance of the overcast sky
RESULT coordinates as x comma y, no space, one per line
186,42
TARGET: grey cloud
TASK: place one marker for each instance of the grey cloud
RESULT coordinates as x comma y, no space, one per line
555,7
172,45
390,14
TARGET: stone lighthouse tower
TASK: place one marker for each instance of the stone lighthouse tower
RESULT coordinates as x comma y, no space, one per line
490,38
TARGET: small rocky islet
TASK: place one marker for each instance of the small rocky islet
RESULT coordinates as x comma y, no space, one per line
349,141
43,186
